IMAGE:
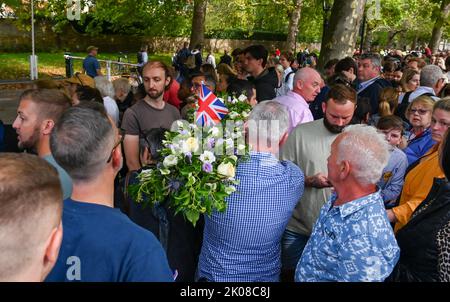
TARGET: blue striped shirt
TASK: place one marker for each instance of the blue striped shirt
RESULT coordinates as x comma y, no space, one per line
244,243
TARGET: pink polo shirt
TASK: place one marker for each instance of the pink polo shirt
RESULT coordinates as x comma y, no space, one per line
297,107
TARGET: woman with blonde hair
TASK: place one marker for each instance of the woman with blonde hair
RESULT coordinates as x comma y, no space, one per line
388,101
420,176
419,138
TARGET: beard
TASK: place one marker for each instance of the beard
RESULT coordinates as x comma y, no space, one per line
31,143
332,128
155,94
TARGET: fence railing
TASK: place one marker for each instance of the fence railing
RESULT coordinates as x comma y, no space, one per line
109,64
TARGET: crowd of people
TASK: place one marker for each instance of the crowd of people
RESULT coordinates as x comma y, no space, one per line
352,185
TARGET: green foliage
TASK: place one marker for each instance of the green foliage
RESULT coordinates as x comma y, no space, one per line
234,19
197,170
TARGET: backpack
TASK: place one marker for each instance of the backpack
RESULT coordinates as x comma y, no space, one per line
289,74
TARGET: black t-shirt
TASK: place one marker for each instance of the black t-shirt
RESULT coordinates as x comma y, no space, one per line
265,84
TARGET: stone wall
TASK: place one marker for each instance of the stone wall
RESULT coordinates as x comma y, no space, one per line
12,39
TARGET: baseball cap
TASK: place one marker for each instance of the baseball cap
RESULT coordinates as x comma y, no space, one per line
90,48
81,79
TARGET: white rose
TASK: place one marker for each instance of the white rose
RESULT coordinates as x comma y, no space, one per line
214,131
207,157
227,170
192,144
170,161
242,98
233,115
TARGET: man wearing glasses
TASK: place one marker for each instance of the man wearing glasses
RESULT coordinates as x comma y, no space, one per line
99,242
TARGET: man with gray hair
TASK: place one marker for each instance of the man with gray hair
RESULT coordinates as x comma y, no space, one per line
352,239
99,243
432,81
243,243
370,81
106,89
305,89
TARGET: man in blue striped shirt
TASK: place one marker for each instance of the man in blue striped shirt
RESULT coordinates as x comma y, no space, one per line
244,243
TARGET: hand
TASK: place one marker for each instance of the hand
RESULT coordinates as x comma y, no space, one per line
318,181
391,216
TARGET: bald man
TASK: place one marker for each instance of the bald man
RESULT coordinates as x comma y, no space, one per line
305,89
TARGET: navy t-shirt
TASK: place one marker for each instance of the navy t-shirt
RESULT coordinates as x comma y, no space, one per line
102,244
91,64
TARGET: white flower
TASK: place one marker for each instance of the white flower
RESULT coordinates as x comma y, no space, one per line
237,134
230,189
233,115
229,143
219,142
189,145
193,126
164,171
234,157
244,114
241,147
227,170
214,131
207,157
242,98
170,161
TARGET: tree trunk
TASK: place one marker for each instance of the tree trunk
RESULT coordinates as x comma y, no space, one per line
339,40
414,43
442,16
293,25
198,23
368,37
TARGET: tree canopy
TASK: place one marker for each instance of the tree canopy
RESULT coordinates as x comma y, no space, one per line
392,22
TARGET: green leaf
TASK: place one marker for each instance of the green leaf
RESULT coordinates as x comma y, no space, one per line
192,216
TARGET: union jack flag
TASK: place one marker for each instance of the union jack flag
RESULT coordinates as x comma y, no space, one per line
211,110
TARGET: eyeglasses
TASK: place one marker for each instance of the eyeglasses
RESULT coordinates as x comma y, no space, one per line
419,111
121,137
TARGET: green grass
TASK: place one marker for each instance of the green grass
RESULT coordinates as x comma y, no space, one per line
15,66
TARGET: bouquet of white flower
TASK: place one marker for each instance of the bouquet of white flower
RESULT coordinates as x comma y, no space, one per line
197,171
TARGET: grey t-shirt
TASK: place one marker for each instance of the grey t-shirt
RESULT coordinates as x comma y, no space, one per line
142,117
64,178
309,146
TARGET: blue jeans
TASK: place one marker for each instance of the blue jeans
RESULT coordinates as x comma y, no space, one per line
292,245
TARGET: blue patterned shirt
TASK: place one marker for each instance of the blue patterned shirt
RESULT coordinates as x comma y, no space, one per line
351,242
244,242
